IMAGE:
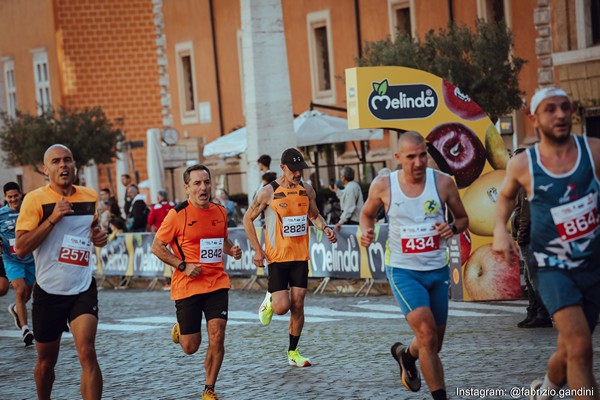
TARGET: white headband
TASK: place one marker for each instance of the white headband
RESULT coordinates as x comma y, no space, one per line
543,94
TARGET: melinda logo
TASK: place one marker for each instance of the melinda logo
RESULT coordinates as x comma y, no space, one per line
402,101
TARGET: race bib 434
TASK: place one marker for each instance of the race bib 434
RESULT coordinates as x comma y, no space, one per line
419,238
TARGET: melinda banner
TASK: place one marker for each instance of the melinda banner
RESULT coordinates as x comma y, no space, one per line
462,142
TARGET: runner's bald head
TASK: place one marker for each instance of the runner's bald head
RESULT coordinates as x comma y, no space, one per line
51,149
410,137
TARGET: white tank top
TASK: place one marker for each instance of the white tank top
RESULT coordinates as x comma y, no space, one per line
413,241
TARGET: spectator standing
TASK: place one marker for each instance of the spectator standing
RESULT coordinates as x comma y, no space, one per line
58,223
159,211
222,197
20,271
351,198
537,315
138,212
126,181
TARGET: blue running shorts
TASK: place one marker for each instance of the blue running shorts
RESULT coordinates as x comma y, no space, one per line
16,271
414,289
560,288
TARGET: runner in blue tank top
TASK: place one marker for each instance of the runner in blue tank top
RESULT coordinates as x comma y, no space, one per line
560,176
415,201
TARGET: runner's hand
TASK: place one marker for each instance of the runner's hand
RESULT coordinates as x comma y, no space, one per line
367,237
444,230
61,208
503,244
330,234
236,252
192,270
99,237
259,257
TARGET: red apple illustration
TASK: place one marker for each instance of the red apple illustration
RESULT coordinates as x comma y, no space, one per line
480,202
465,245
488,276
460,149
460,103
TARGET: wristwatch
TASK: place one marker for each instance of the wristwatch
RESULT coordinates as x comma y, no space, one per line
181,266
453,228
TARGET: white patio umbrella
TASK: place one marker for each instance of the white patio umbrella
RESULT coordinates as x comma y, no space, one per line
311,128
155,166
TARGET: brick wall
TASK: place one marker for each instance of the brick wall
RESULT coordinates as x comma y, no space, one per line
108,58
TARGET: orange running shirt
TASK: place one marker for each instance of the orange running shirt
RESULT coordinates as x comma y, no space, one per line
286,223
200,234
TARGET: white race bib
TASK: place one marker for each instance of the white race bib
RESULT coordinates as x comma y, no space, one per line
11,243
211,250
576,219
295,226
421,238
75,251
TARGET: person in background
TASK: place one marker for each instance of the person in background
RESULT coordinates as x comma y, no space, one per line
126,181
537,315
3,279
138,212
222,198
20,271
351,198
159,211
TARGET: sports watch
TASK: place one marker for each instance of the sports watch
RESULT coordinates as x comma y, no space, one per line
453,228
181,266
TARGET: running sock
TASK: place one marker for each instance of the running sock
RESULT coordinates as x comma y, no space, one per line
547,384
407,358
209,387
439,394
24,328
293,342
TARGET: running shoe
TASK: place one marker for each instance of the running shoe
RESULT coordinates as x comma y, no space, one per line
408,375
27,337
296,360
175,333
209,394
12,309
535,387
265,312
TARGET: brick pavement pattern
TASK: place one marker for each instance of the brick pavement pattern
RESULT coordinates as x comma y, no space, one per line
349,351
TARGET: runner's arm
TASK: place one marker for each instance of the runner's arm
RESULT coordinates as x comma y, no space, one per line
160,250
261,201
461,219
316,218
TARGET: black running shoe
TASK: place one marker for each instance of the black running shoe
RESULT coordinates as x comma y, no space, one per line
28,338
409,376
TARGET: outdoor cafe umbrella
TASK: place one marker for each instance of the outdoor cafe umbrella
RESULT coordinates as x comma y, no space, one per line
310,128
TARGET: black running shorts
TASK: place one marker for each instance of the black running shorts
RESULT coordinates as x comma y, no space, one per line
283,275
2,270
50,312
189,310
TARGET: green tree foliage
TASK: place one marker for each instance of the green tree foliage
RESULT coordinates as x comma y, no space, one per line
88,133
479,62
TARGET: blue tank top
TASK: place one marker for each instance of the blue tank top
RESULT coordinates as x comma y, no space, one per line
564,212
8,221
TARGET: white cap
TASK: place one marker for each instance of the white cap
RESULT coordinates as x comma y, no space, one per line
543,94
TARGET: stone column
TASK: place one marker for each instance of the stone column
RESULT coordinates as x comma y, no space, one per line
543,43
161,52
268,100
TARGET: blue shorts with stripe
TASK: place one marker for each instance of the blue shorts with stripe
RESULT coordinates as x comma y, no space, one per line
413,289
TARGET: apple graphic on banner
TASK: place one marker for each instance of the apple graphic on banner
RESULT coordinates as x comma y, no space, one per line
488,276
480,202
460,103
495,148
456,146
465,245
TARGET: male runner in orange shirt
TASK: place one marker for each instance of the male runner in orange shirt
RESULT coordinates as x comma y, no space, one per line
288,204
196,230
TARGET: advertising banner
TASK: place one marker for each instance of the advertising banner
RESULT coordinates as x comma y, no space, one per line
462,142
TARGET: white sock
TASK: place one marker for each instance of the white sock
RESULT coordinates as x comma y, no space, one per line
24,328
547,384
